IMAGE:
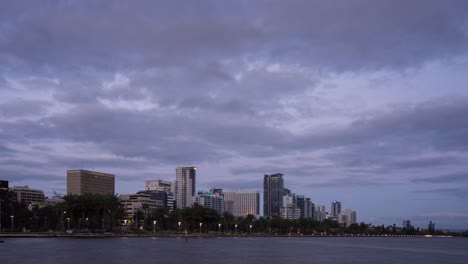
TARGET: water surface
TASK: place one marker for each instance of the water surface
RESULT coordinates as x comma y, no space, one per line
234,250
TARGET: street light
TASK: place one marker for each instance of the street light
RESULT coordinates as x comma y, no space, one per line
125,224
219,228
179,225
236,228
12,222
154,226
250,229
200,226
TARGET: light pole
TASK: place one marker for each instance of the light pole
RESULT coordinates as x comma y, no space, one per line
250,226
68,219
219,229
200,226
125,224
235,226
12,222
154,226
179,225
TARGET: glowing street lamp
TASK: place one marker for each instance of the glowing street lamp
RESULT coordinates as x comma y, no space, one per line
250,229
235,227
200,226
219,228
179,225
154,226
125,222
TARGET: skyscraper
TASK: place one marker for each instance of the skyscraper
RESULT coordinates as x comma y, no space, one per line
335,209
83,181
185,186
244,202
273,191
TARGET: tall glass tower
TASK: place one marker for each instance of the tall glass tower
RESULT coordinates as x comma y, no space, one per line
273,191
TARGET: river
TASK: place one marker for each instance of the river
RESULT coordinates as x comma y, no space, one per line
224,250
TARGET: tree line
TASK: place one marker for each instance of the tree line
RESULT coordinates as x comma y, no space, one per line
92,212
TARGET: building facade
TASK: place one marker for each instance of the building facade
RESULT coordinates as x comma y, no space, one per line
320,214
347,217
28,196
335,209
185,186
143,202
162,186
158,185
210,200
244,202
273,191
80,182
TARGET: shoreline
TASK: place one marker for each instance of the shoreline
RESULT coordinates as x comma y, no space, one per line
123,235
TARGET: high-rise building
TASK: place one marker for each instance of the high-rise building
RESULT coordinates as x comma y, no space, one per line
290,210
80,182
335,209
28,196
158,185
212,200
320,213
185,186
273,191
306,206
162,186
350,217
244,202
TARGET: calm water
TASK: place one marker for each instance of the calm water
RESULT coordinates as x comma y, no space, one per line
234,250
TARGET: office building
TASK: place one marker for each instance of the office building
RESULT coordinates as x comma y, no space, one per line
158,185
82,181
244,202
162,186
212,200
335,209
348,217
143,202
28,196
320,214
306,206
185,186
273,191
290,210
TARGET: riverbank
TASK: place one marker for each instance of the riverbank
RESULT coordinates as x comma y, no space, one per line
175,235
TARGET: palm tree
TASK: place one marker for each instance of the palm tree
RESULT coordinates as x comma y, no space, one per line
113,208
68,208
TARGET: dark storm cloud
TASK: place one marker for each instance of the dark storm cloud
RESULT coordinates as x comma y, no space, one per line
457,192
348,35
449,178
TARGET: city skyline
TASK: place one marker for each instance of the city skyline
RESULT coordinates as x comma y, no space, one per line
362,102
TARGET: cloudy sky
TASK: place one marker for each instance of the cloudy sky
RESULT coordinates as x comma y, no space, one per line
361,101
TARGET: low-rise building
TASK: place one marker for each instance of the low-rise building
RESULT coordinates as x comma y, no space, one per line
132,203
28,196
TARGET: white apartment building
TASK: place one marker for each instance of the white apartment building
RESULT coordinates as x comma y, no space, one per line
184,188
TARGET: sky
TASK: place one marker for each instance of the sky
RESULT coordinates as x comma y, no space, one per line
360,101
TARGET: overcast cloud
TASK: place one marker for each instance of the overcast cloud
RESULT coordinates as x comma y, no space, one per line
360,101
